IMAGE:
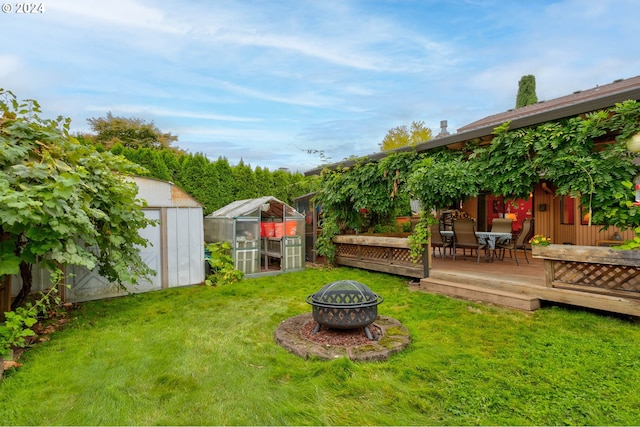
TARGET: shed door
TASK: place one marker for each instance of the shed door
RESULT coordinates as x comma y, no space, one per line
152,254
89,285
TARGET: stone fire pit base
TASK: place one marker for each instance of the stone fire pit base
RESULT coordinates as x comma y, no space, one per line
393,337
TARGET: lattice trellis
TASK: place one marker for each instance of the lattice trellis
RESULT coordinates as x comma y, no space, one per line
375,253
347,250
601,276
401,256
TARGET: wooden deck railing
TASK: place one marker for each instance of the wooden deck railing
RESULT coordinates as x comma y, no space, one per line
594,269
379,253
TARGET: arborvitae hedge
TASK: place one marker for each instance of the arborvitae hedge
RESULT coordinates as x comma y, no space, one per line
216,183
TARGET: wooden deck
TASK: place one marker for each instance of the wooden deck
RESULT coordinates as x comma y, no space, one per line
507,269
508,284
594,282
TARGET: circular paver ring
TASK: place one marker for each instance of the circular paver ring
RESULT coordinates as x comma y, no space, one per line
394,338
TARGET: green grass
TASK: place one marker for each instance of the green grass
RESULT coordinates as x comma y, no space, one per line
200,355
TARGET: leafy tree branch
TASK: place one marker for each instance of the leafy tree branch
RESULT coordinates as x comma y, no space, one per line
63,201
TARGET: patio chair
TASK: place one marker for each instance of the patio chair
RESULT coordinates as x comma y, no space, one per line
464,236
437,241
519,242
502,225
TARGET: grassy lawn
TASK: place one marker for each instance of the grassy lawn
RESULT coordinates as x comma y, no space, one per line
200,355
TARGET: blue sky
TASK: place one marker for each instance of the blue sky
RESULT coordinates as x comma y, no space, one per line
264,81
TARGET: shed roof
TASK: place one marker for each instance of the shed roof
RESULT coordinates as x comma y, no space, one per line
159,193
239,208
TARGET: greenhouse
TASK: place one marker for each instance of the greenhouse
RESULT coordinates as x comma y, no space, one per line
266,235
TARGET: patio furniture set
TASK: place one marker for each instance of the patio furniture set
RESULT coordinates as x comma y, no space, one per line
463,235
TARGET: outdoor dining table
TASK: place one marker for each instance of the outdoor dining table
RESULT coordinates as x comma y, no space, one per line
484,237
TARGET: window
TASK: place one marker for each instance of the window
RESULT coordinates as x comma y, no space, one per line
585,216
567,210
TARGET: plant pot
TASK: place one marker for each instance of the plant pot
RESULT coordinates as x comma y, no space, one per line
535,250
403,219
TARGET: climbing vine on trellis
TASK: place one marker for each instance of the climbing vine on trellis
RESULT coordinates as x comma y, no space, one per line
583,155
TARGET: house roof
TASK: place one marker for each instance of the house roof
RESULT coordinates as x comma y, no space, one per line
603,93
577,103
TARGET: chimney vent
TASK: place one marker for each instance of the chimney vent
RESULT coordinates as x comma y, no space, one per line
443,129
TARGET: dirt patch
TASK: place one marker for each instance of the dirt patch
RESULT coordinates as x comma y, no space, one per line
344,337
52,321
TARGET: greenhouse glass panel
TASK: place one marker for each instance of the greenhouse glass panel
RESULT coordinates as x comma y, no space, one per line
266,235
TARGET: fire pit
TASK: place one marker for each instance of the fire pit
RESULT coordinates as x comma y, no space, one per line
345,304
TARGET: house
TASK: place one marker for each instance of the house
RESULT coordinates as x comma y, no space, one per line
557,217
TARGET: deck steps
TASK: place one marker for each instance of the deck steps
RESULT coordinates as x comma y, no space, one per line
478,292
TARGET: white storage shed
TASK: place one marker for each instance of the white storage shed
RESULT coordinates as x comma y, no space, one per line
175,252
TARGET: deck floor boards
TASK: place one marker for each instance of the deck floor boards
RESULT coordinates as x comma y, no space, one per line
507,269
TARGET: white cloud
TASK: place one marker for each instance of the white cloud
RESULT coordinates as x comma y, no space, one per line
235,77
9,64
118,13
152,111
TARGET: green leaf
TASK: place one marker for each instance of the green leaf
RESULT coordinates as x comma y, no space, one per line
9,261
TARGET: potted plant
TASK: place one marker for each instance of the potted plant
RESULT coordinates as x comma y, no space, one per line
540,240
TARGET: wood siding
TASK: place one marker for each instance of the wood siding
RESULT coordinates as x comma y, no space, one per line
547,222
544,210
470,206
547,215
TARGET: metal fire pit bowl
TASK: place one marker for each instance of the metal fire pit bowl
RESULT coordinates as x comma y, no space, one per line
345,304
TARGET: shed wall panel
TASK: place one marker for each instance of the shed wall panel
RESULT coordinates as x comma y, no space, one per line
152,254
185,250
196,245
470,207
90,285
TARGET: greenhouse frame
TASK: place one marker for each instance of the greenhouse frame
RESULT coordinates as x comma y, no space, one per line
266,235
